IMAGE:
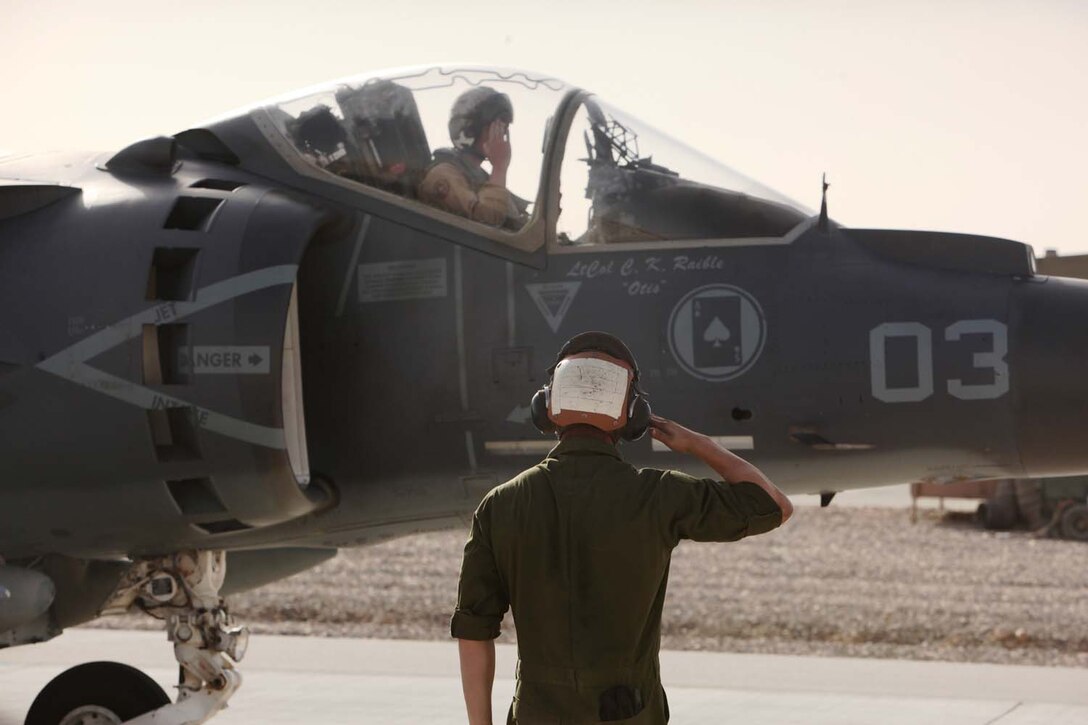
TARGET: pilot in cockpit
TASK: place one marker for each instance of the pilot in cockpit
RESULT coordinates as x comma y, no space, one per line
456,180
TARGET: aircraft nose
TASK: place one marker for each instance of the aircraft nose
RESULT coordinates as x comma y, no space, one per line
1049,369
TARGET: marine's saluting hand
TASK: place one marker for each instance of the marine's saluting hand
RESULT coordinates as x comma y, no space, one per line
730,467
674,435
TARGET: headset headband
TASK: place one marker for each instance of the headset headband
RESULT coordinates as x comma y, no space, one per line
597,342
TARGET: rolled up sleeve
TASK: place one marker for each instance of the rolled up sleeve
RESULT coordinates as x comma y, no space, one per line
493,205
482,599
703,509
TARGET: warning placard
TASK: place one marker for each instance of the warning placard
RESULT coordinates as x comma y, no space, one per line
225,360
415,279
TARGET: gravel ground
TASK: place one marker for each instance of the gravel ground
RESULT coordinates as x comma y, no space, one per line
846,582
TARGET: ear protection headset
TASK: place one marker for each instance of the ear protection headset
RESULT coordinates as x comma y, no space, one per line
638,407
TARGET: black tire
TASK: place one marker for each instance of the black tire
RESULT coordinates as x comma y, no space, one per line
1029,499
1074,523
121,690
999,513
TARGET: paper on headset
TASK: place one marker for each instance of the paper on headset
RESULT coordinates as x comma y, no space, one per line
589,385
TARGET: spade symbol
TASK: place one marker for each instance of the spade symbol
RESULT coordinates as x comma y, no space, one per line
716,332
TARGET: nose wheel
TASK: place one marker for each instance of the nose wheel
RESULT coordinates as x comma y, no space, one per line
96,693
183,590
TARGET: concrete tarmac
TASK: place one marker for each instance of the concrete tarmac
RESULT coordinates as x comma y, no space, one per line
334,681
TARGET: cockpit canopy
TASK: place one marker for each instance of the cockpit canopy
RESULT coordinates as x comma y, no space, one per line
619,180
624,181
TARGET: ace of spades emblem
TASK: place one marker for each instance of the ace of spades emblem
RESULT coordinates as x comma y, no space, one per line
716,324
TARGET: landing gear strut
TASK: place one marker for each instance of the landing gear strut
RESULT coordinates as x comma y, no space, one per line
182,589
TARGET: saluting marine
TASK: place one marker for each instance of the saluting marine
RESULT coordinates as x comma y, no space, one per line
479,128
579,547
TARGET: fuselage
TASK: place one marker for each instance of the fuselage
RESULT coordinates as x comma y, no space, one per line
214,341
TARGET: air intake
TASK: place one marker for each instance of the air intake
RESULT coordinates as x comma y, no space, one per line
193,213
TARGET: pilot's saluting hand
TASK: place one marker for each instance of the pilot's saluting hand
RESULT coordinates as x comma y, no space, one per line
496,147
730,467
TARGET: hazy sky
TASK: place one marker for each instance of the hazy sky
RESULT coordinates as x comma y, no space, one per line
956,116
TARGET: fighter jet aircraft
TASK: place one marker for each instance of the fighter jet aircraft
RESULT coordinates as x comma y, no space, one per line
257,336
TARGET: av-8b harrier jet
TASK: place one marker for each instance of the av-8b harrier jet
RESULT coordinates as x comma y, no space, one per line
257,340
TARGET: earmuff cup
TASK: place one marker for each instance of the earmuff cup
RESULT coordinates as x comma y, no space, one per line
538,410
638,414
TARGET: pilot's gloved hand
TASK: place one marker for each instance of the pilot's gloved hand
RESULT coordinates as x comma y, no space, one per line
497,146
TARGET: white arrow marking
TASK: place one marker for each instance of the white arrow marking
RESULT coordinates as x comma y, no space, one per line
70,363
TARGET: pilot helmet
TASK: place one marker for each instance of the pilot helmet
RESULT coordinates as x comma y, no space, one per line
473,111
593,381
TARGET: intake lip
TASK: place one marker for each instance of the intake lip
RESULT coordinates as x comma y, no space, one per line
25,595
1049,366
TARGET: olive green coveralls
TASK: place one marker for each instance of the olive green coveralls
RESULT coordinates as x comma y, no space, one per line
579,548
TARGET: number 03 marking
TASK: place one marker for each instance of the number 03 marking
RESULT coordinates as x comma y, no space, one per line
993,360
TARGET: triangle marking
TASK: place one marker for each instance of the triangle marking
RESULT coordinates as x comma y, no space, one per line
554,300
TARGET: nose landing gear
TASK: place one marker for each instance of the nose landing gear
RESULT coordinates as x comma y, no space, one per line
182,589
